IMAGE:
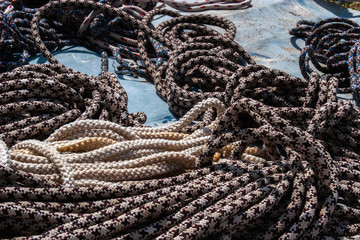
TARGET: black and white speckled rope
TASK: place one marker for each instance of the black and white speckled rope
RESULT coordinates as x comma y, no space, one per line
305,183
296,195
62,27
37,99
331,46
301,182
16,38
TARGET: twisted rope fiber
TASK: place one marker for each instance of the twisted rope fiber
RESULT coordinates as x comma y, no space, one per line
332,47
309,189
94,152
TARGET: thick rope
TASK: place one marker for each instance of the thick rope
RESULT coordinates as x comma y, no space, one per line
94,152
309,188
37,99
331,46
63,27
282,161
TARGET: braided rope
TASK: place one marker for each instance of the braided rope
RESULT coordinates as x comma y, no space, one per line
94,152
16,37
331,46
286,151
295,195
98,31
37,99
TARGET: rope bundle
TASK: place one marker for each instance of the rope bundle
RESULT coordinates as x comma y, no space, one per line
16,41
200,58
96,31
204,63
94,152
287,152
300,187
331,47
37,99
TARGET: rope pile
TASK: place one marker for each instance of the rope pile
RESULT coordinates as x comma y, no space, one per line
94,152
204,63
37,99
302,187
97,31
332,47
281,162
16,41
200,59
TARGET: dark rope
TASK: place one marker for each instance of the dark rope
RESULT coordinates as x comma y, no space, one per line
331,47
302,181
60,28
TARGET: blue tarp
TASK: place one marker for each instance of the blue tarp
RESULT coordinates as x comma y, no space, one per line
262,30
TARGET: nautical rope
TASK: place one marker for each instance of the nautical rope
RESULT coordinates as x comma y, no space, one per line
16,37
200,60
282,161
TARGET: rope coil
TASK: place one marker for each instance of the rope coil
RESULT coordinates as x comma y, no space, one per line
331,46
278,160
37,99
94,152
297,194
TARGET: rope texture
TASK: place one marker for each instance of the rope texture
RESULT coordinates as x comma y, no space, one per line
95,152
37,99
304,187
287,152
98,31
332,47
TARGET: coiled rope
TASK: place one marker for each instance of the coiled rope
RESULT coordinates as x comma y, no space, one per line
40,98
37,99
16,41
97,31
288,160
304,187
204,63
94,152
332,47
